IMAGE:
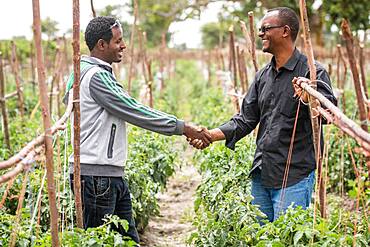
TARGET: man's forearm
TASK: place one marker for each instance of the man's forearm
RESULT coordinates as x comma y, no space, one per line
217,135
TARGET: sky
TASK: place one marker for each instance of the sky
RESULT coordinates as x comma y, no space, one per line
16,18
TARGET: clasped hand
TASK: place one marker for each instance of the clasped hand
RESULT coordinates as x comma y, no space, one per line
198,137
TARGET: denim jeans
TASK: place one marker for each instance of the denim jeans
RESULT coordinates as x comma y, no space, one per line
298,194
106,195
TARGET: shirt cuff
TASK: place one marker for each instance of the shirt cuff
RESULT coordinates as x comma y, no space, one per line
228,130
180,124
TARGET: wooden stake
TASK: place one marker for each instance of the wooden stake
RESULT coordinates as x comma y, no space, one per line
76,112
13,237
312,102
347,35
3,104
15,65
150,82
47,123
342,80
232,67
363,78
92,8
162,61
132,57
253,40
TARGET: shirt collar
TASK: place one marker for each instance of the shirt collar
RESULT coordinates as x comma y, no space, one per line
292,62
97,61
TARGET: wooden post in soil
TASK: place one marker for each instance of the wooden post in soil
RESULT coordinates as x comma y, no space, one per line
209,73
347,35
13,237
142,54
342,80
3,104
132,47
15,65
54,79
363,78
76,113
232,66
33,76
242,70
313,104
92,8
253,40
150,82
162,57
47,123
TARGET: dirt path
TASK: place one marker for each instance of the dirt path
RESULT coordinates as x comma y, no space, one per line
173,226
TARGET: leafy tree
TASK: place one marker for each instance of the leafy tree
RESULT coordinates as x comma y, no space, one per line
357,12
49,27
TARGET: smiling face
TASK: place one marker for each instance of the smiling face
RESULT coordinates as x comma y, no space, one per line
113,51
273,34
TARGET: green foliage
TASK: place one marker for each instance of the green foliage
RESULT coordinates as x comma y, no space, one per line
49,27
151,161
357,12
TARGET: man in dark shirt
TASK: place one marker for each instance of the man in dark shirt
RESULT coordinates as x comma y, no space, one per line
271,103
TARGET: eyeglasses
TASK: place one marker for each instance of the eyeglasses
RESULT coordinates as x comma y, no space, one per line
264,29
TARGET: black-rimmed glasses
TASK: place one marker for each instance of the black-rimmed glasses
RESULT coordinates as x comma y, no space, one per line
264,29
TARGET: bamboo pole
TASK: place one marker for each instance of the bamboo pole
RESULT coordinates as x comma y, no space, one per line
47,123
132,47
347,35
76,112
253,40
14,63
3,105
312,103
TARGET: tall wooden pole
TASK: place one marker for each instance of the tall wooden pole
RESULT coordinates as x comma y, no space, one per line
15,67
132,47
3,104
253,40
313,103
47,123
347,35
76,112
92,8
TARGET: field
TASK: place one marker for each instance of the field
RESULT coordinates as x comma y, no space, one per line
180,196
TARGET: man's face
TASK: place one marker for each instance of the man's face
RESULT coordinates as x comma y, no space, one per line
270,32
116,46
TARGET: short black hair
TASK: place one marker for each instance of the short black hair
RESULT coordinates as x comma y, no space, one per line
99,28
287,16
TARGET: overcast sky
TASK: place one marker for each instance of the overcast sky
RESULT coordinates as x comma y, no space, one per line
16,18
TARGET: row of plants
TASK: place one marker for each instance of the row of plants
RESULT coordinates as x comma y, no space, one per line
152,159
224,215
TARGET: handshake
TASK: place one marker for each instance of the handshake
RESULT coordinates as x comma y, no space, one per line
198,137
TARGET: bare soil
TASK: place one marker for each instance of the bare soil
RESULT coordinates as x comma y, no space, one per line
174,224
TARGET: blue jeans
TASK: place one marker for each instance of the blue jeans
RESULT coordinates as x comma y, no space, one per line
298,194
106,195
